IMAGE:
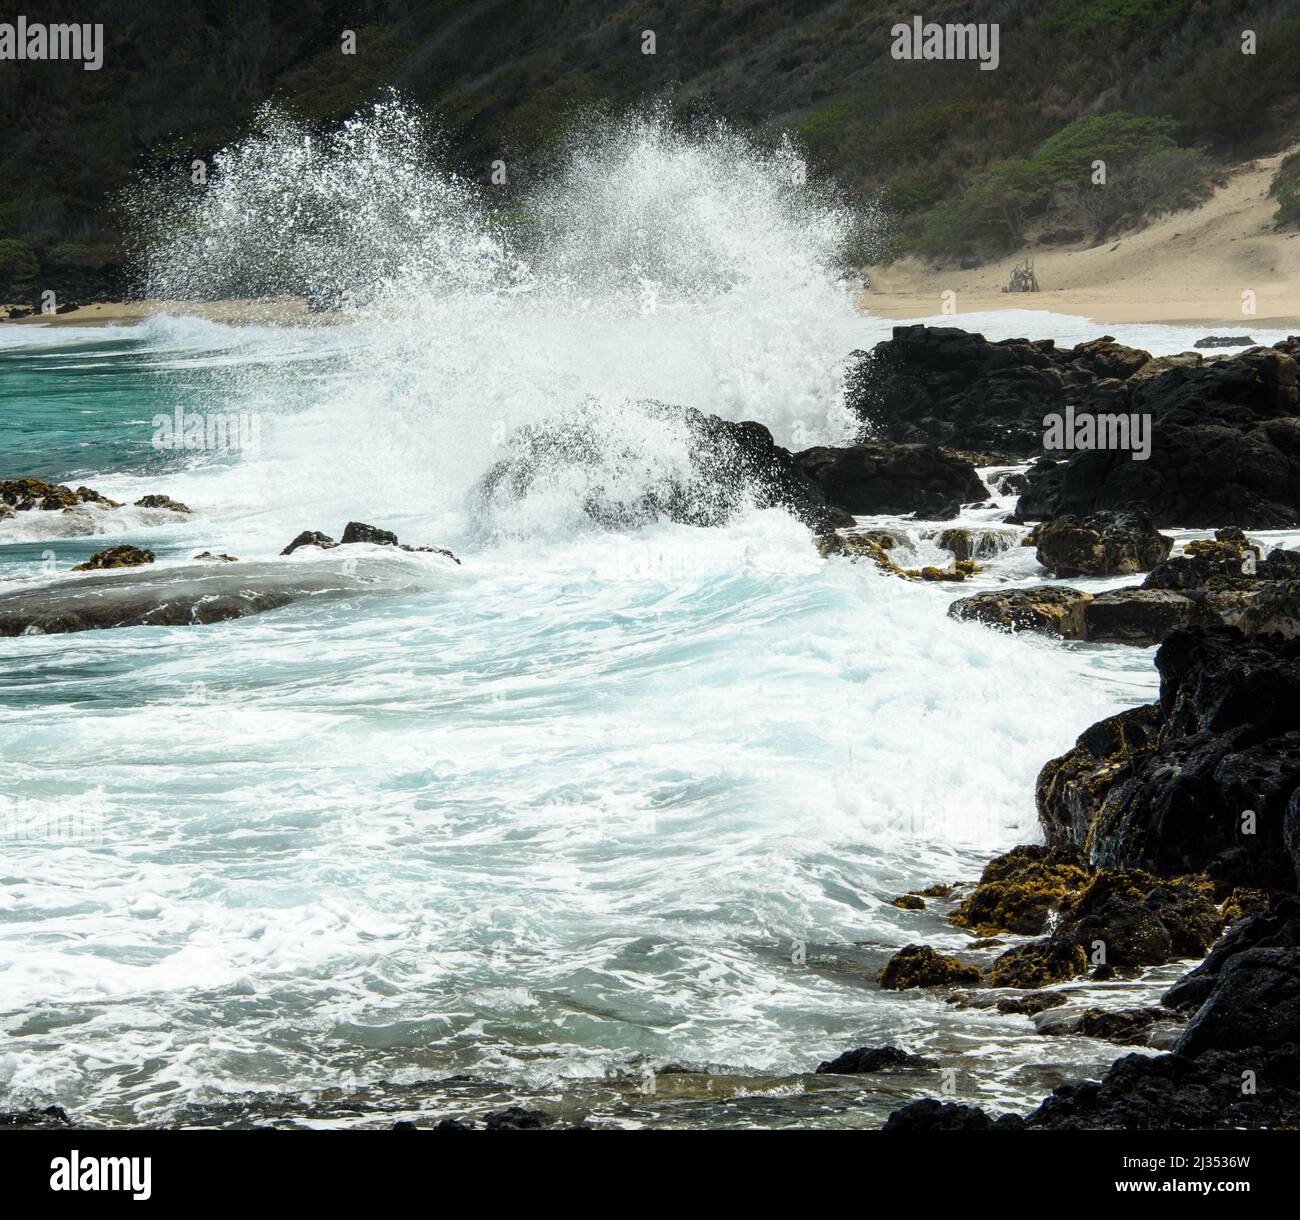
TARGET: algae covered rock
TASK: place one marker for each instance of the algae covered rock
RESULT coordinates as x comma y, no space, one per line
1020,890
116,557
921,966
1106,543
1038,964
1048,609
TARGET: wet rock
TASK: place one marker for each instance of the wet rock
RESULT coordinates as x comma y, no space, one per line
1037,964
1167,788
1276,927
725,467
946,386
965,543
357,531
116,557
1255,1002
883,477
1225,341
1176,1092
87,495
1140,617
1048,609
1127,1026
50,1116
921,966
223,558
875,1059
908,902
1225,446
166,502
455,1124
517,1118
931,1115
27,495
1019,891
1141,920
310,538
1111,543
857,546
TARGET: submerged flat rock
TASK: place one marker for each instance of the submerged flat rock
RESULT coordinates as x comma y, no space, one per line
199,593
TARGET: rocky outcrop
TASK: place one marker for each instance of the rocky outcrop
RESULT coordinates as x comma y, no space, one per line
36,495
941,385
1225,436
1225,447
1215,583
1205,781
726,466
1275,927
356,532
1107,543
881,477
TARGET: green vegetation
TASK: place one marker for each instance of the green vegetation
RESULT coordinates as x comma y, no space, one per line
1286,186
1145,172
1159,89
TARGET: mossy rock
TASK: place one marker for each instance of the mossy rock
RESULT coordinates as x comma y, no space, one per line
1018,891
921,966
857,546
116,557
908,902
1038,964
1144,920
24,495
166,502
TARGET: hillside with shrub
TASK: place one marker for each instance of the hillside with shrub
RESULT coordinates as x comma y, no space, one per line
964,159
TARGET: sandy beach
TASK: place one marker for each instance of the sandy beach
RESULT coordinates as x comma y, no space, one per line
1191,266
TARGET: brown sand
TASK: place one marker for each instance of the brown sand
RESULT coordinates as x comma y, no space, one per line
1191,266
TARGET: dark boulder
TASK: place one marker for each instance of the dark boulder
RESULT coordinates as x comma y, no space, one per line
931,1115
721,467
1225,446
941,385
1205,781
1276,927
310,538
173,506
357,531
1255,1002
875,1059
1179,1093
1107,543
883,477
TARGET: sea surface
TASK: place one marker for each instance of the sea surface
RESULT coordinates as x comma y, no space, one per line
602,821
